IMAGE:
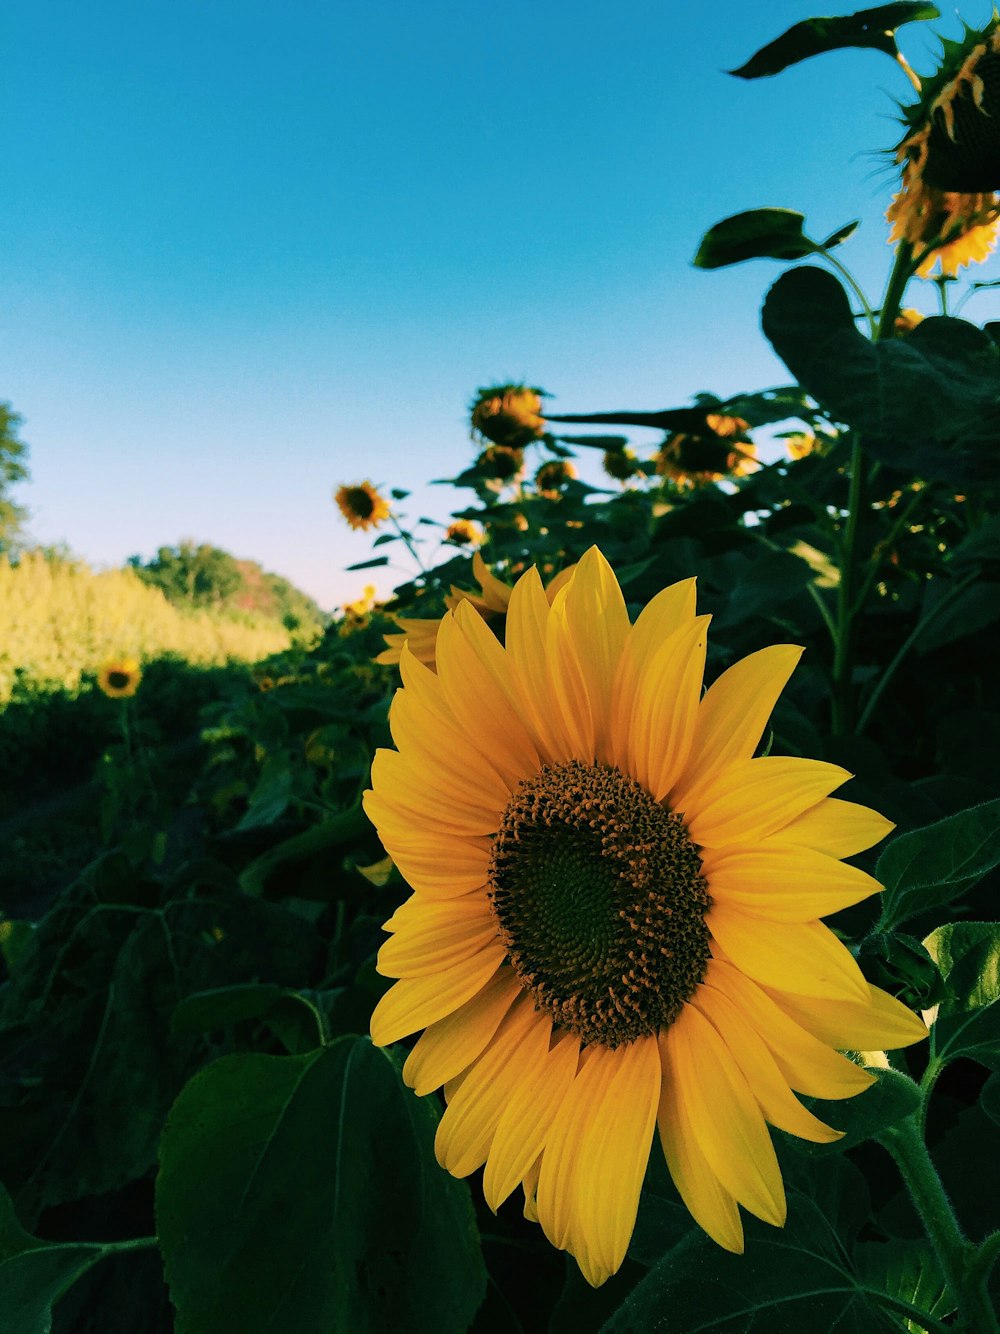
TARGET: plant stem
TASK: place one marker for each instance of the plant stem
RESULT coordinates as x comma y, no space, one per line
843,656
954,1252
132,1244
855,287
408,543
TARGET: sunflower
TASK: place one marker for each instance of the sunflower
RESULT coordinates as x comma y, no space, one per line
620,464
501,464
723,449
362,505
119,678
508,414
491,603
464,533
949,206
553,475
614,924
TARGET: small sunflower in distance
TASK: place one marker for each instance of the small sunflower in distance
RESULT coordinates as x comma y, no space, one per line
465,533
508,414
723,449
553,475
362,505
119,678
614,925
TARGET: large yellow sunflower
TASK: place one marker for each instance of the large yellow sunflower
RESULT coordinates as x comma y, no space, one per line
614,924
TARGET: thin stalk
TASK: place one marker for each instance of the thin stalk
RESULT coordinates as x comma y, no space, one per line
131,1244
953,1250
408,543
843,650
902,519
904,648
856,288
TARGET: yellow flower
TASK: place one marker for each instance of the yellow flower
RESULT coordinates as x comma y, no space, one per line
420,636
508,414
362,505
907,320
801,445
119,678
722,450
949,206
553,475
463,532
614,924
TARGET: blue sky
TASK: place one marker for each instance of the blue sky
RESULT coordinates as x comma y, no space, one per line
250,250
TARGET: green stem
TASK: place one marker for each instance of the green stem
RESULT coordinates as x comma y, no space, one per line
902,271
855,287
843,654
898,525
408,543
954,1252
905,647
132,1244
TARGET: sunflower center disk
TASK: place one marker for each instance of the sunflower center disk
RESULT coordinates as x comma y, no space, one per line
600,901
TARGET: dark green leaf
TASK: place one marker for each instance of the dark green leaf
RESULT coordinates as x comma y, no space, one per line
789,1280
864,1117
870,28
907,1270
934,865
968,955
270,798
989,1099
368,564
292,1015
301,1193
760,233
34,1274
926,403
952,615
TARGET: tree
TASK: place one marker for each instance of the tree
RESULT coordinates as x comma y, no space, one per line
13,452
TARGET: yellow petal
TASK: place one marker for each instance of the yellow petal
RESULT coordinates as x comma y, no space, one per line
807,1065
614,1154
665,706
669,611
418,1001
526,639
557,1181
751,799
437,868
431,937
759,1069
521,1132
596,623
783,882
496,594
513,1059
709,1203
530,1184
446,758
568,675
448,1047
880,1024
838,828
412,795
734,713
802,957
727,1121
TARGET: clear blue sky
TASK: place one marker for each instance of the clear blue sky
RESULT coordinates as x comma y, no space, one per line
251,249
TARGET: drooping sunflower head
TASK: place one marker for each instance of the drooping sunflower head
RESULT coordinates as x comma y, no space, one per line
508,414
362,505
620,464
723,449
501,464
615,918
119,678
465,533
552,476
949,205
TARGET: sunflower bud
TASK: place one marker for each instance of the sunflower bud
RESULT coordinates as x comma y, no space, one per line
501,463
620,464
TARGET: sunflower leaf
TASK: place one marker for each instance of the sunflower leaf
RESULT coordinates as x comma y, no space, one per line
968,1024
934,865
330,1146
907,1270
864,1117
871,28
760,233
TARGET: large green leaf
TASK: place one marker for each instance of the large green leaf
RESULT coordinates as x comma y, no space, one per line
864,1117
34,1274
928,403
968,955
908,1270
870,28
789,1280
760,233
951,614
934,865
301,1193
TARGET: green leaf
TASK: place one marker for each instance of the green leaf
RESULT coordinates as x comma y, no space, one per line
952,615
869,28
269,799
790,1280
301,1193
989,1099
334,832
760,233
934,865
907,1270
368,564
34,1274
864,1117
968,956
927,403
292,1015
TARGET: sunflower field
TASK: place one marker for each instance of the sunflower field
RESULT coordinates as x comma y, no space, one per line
601,933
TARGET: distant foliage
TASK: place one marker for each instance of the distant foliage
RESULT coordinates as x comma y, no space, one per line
12,469
203,576
59,621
